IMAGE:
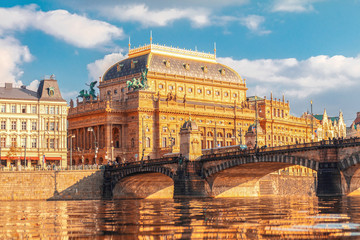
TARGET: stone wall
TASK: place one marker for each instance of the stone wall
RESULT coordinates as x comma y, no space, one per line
51,185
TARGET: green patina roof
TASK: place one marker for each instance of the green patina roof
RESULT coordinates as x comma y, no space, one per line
320,117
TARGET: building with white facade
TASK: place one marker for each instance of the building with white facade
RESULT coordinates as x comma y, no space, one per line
33,125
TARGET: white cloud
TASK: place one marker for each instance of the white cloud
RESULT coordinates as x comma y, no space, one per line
293,5
67,95
12,54
97,69
300,79
253,23
74,29
146,17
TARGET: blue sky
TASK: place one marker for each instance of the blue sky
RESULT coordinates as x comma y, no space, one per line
305,49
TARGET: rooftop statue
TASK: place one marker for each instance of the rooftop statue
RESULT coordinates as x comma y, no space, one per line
139,83
84,93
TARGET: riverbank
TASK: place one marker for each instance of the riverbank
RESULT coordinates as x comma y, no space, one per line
51,185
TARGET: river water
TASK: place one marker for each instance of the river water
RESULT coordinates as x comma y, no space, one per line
227,218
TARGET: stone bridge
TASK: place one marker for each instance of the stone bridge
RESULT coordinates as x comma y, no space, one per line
221,170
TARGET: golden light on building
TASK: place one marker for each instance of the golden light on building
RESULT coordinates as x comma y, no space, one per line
179,83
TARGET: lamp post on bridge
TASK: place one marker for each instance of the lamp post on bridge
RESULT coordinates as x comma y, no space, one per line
91,129
256,123
312,123
71,138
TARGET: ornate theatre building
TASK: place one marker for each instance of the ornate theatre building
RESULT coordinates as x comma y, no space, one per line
145,99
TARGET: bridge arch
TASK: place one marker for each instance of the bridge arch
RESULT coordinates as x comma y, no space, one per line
244,176
290,160
350,169
350,161
140,170
143,182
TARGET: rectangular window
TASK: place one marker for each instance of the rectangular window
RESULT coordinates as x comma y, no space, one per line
23,109
47,126
13,108
164,143
23,142
57,126
52,110
13,141
34,143
3,108
3,125
13,125
33,109
34,125
52,126
23,125
47,110
52,143
57,110
3,142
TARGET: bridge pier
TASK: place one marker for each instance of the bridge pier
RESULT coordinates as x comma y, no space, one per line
329,182
188,184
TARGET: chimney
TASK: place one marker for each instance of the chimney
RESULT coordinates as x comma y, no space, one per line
23,87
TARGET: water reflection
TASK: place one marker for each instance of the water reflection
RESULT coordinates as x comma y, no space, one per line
238,218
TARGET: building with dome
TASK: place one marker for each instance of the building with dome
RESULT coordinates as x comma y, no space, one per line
145,99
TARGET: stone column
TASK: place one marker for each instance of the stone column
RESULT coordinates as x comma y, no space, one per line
190,141
123,139
108,140
187,181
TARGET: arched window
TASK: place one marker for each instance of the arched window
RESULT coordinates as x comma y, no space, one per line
210,134
228,135
148,142
219,134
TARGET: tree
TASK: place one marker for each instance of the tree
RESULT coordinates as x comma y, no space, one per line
13,152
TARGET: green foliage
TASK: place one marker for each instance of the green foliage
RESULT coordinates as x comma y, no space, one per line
13,152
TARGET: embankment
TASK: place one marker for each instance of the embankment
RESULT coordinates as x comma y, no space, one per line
51,185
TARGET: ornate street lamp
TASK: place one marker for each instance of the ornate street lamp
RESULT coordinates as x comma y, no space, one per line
90,129
71,138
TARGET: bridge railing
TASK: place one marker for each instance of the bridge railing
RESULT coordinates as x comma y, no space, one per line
151,162
285,148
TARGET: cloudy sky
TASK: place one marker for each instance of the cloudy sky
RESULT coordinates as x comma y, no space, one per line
304,49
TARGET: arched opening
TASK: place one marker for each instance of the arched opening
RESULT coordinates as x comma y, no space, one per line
101,161
144,185
86,161
148,142
116,137
263,179
118,159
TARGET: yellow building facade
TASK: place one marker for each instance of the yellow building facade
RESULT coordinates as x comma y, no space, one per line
128,124
33,125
